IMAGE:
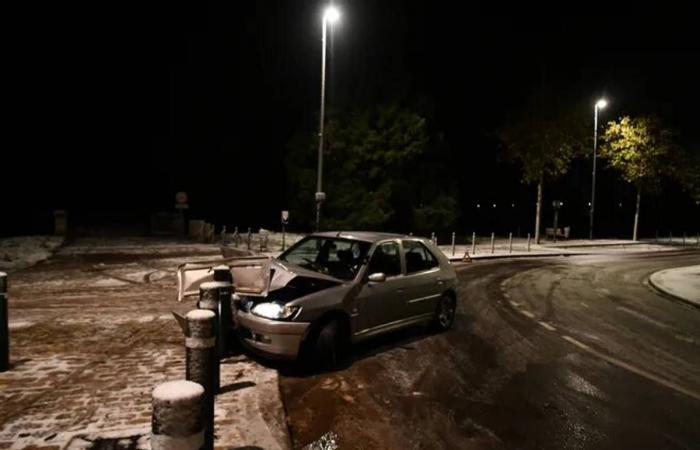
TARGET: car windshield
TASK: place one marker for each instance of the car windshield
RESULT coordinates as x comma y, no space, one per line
339,258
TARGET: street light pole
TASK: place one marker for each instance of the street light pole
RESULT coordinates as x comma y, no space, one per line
330,15
600,104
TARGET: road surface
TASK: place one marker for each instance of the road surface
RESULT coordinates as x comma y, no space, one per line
558,353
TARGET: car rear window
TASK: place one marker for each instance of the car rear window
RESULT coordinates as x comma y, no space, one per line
418,257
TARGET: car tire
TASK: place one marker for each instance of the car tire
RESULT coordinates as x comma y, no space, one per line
327,345
445,313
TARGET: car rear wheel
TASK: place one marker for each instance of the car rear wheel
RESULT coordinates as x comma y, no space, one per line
445,313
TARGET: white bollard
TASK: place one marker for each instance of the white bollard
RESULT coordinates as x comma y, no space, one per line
474,243
510,242
177,416
528,242
493,236
453,243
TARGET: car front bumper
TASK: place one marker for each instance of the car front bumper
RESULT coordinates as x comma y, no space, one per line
278,339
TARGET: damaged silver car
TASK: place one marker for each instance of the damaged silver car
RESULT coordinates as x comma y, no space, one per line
334,288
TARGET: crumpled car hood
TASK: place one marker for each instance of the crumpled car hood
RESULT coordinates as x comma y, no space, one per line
254,276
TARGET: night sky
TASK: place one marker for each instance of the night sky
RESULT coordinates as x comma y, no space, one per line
115,108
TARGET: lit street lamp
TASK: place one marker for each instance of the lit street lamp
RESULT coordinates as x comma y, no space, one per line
600,104
330,15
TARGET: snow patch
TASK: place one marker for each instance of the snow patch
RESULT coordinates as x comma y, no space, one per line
24,251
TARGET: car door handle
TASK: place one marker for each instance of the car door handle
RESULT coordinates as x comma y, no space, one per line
439,281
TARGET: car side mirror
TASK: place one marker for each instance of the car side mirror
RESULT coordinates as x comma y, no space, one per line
378,277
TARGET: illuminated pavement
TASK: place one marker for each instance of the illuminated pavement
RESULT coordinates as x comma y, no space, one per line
560,353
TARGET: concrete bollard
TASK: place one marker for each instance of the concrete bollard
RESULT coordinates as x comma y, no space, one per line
474,243
177,421
202,364
432,238
510,242
248,238
453,243
60,222
215,296
493,241
528,242
4,328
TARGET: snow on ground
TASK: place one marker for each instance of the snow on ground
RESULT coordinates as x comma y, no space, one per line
24,251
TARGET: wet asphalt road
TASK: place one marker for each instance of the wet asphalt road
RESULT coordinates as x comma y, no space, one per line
557,353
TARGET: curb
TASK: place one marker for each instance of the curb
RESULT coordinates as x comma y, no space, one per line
533,255
665,293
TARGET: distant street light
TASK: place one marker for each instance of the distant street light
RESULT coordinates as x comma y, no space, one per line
600,104
330,15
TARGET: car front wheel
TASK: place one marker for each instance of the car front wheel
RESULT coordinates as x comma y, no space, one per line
327,345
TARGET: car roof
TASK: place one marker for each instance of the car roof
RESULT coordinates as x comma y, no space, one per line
368,236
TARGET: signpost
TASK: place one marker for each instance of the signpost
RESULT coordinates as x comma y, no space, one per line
556,204
181,205
285,221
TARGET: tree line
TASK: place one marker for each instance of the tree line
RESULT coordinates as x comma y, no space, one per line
389,167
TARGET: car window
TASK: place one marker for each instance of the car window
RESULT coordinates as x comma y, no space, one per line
386,260
418,257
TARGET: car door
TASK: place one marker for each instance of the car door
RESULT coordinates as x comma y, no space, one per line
422,283
380,302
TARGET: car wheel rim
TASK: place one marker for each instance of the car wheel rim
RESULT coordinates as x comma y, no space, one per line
447,312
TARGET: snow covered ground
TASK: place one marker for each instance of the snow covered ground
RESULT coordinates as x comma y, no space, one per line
24,251
91,334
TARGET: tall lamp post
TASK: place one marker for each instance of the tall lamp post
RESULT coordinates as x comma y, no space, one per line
330,15
600,104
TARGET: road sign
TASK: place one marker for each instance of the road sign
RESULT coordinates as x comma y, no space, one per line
285,217
181,197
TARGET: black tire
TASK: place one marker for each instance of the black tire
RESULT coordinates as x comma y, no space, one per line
327,347
445,313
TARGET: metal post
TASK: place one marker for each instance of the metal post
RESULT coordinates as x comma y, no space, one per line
453,243
177,416
249,237
283,237
683,238
510,242
236,237
474,243
493,236
670,237
215,296
4,328
656,236
595,156
432,238
319,181
202,363
528,242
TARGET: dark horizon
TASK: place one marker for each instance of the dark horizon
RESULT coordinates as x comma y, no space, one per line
117,113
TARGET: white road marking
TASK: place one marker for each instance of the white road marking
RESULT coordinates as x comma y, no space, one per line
547,326
641,372
641,316
514,304
528,314
506,295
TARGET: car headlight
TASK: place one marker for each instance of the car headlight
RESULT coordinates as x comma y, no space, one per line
274,311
